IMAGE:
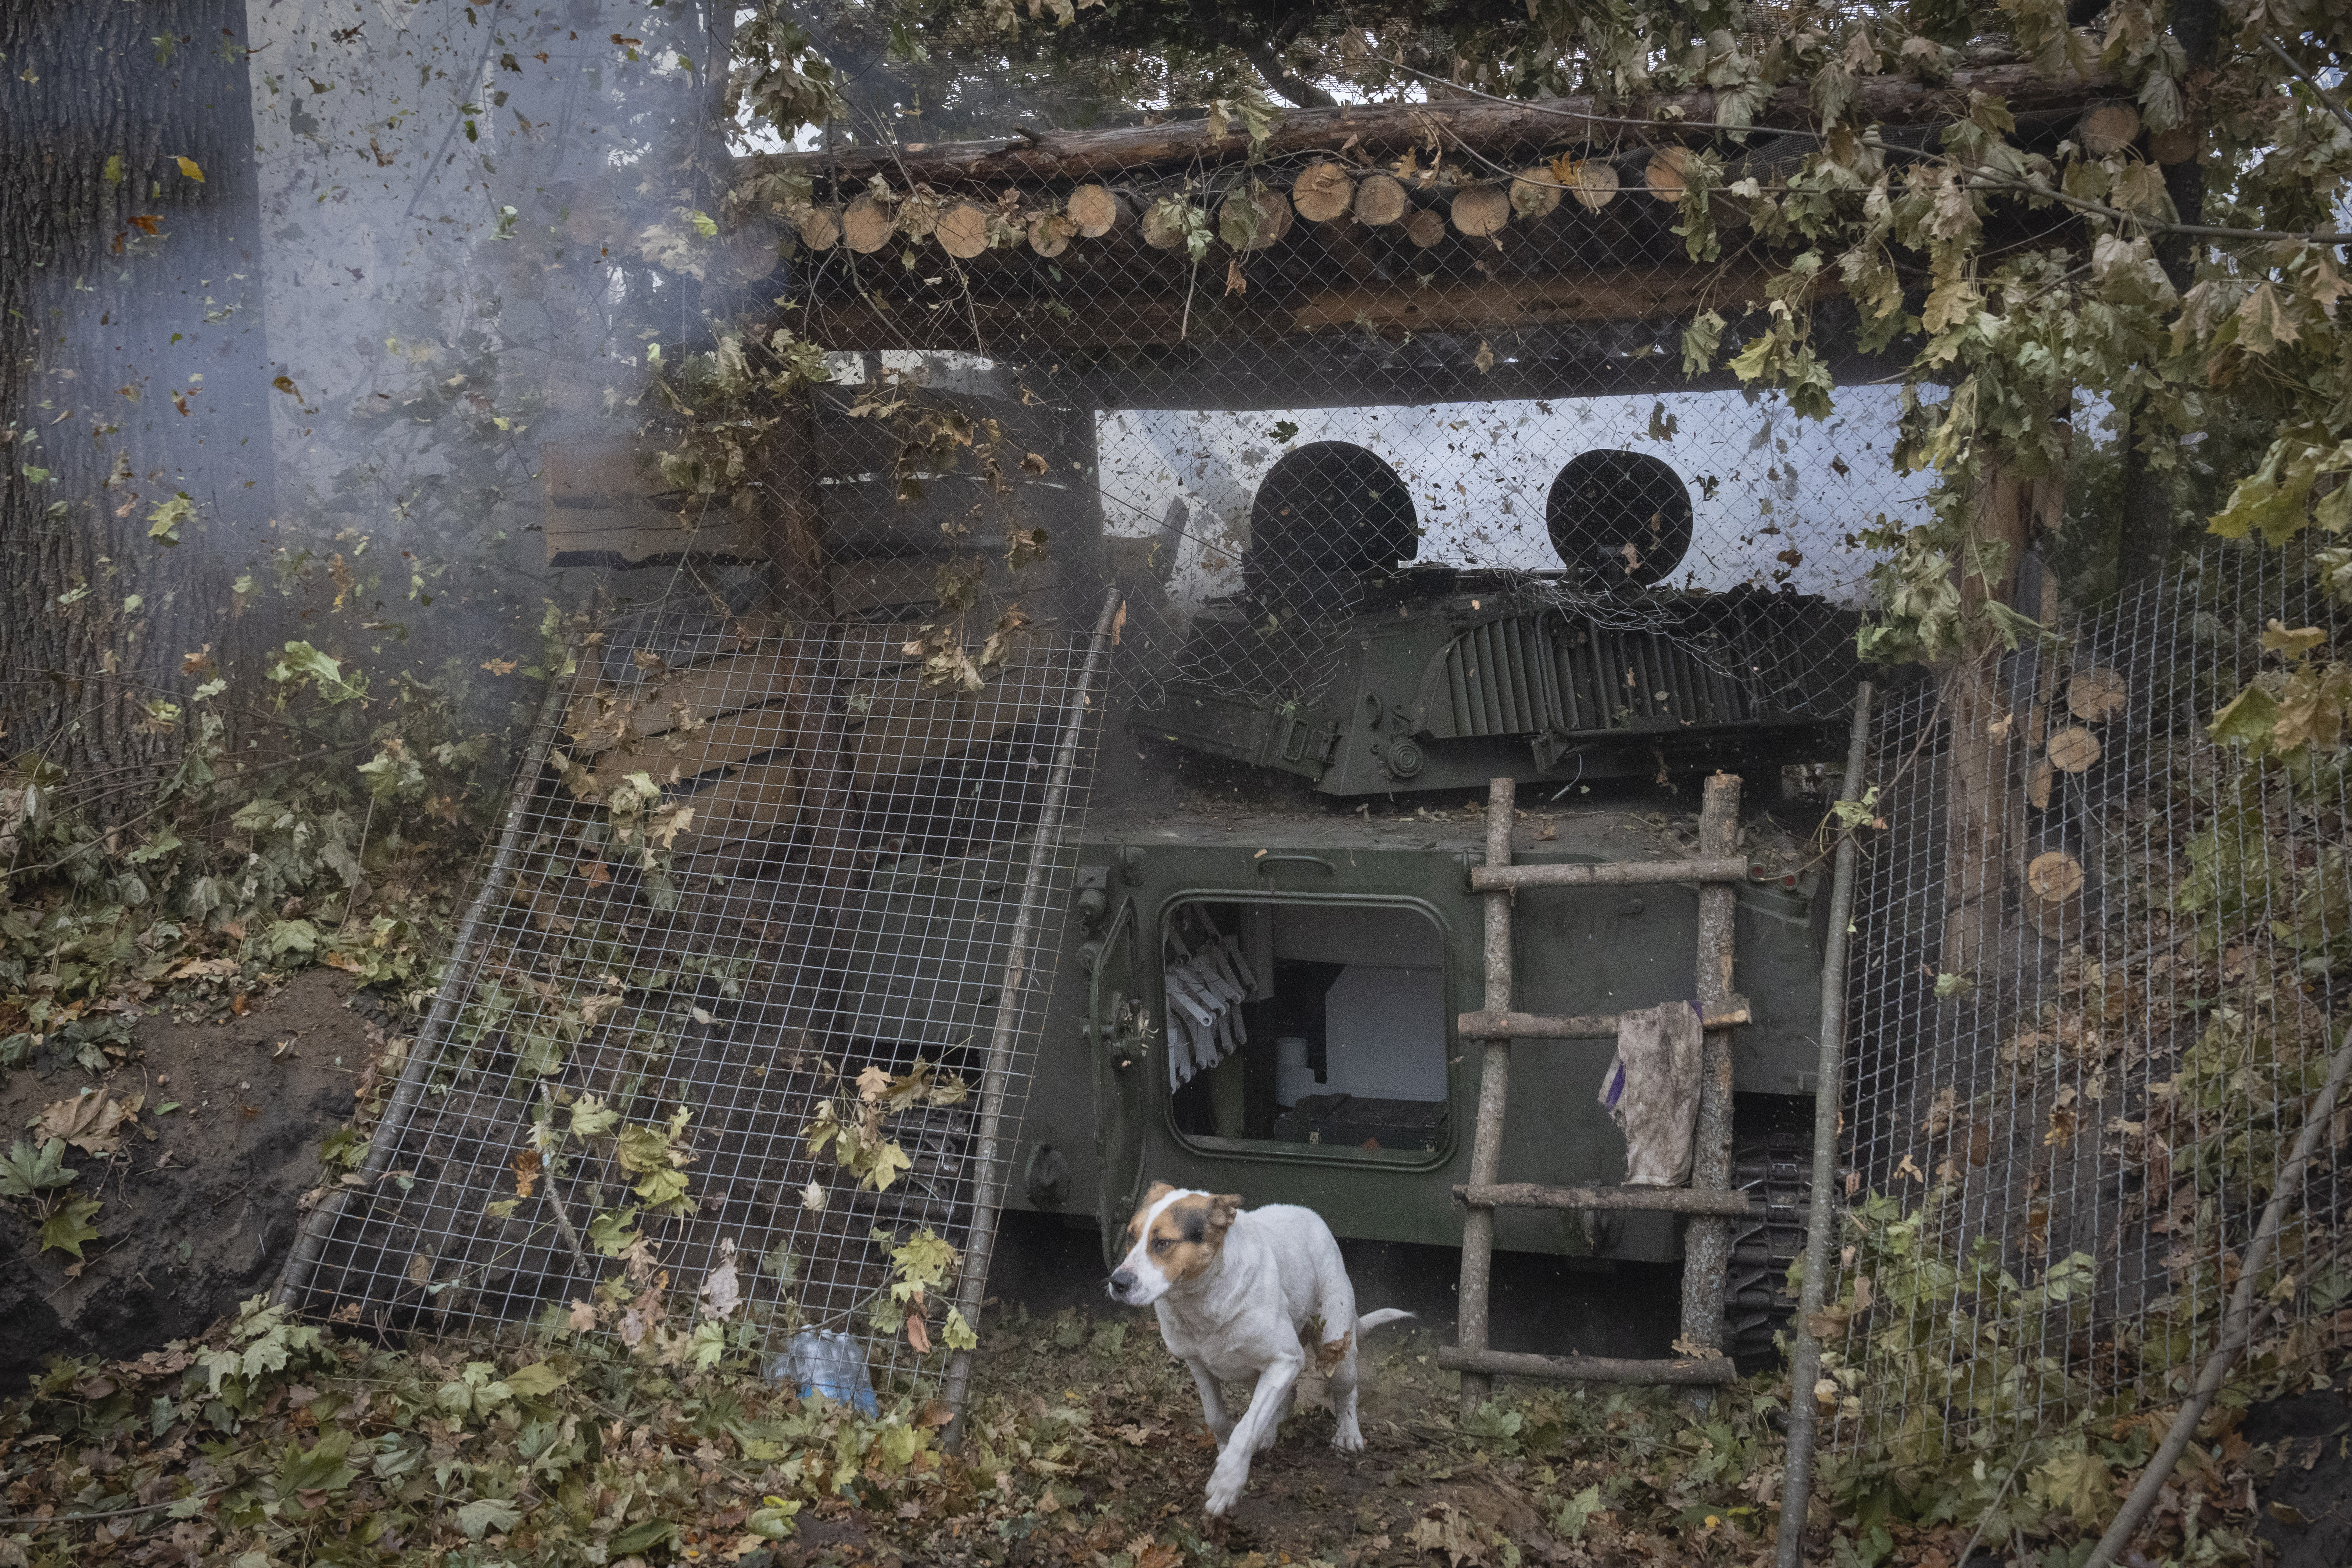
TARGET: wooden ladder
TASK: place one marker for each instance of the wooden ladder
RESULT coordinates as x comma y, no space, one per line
1709,1199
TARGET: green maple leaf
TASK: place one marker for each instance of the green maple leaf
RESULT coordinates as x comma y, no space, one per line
70,1226
25,1173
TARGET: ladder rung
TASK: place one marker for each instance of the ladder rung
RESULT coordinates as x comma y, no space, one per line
1652,1200
1616,874
1535,1026
1694,1370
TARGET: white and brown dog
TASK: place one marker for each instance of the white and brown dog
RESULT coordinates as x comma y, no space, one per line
1241,1295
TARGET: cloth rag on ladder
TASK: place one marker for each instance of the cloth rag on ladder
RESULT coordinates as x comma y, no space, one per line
1652,1092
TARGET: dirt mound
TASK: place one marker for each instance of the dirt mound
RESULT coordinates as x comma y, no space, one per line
199,1200
2306,1513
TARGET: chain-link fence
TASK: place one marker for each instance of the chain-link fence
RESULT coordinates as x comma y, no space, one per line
2095,987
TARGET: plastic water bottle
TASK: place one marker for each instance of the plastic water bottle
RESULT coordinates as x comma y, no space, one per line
829,1364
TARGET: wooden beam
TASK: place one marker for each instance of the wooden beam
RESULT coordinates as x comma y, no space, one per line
1697,1371
1391,128
1157,318
1615,874
1642,1200
1533,1027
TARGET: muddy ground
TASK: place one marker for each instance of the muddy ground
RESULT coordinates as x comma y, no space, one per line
200,1204
199,1193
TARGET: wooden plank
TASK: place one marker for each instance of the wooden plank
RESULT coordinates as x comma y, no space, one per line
1389,129
1591,1026
759,801
1640,1200
729,684
640,535
679,758
1615,294
599,511
1616,874
1700,1371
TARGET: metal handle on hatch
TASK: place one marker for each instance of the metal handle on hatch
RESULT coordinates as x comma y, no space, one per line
1263,861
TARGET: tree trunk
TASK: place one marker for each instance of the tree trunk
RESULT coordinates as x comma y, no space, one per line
1385,129
2144,542
136,374
1984,802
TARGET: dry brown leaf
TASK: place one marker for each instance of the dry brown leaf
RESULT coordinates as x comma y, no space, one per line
526,1170
91,1121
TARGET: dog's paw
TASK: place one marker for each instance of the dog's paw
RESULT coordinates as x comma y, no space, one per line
1225,1484
1348,1439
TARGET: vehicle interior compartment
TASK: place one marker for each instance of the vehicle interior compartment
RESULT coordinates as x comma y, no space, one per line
1317,1024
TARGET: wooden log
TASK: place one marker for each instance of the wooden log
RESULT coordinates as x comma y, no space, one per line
1667,174
1699,1371
1425,227
2073,749
1323,192
1482,211
2096,694
1537,193
2039,777
962,231
2054,875
1581,1026
1615,1200
1390,128
1593,183
1050,233
820,228
1610,874
866,225
1096,210
1251,220
2107,130
1162,229
1380,200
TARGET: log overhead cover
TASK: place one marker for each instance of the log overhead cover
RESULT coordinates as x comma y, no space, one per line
1379,201
865,227
1096,211
1482,210
1593,182
1323,192
964,231
1537,193
1254,220
820,228
1391,128
1667,175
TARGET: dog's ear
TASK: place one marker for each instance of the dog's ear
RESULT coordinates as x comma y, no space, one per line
1223,1209
1158,1190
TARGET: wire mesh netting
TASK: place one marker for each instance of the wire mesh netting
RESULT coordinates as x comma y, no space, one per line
772,940
1397,470
1274,398
2097,983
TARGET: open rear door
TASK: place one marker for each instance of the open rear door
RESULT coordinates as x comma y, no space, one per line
1118,1033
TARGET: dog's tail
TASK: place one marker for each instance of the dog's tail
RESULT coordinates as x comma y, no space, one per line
1370,1320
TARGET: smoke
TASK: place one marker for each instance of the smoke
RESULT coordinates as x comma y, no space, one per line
482,227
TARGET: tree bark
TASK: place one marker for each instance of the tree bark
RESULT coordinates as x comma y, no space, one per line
2144,541
1984,801
1388,129
135,372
